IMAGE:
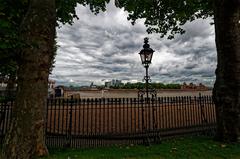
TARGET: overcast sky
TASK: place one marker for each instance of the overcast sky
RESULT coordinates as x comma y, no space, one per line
104,47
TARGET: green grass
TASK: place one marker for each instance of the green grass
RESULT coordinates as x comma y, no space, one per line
180,148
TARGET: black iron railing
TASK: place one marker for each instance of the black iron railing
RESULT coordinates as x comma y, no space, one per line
95,122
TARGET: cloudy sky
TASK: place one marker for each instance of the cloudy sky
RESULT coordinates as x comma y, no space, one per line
104,47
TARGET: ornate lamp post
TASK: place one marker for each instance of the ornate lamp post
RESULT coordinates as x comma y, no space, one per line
146,57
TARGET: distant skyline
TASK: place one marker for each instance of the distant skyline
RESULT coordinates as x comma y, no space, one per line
105,47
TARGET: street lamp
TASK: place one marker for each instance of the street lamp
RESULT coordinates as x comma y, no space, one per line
146,54
146,57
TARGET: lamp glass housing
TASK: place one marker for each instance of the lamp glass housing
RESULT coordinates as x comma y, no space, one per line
146,56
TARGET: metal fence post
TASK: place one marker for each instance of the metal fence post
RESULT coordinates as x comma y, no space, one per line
69,131
203,119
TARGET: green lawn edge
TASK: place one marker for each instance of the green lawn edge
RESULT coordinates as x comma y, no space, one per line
176,148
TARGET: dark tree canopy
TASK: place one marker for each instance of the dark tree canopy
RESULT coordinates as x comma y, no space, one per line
166,16
161,16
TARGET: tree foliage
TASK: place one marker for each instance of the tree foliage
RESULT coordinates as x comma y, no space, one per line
140,85
166,16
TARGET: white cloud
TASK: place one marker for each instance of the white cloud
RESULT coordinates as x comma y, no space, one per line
106,46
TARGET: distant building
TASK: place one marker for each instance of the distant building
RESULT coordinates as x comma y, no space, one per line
66,92
113,82
59,91
192,86
4,82
202,87
107,84
3,85
51,84
184,86
92,85
118,82
51,88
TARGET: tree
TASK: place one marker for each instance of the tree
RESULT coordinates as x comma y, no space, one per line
35,36
11,15
227,86
26,134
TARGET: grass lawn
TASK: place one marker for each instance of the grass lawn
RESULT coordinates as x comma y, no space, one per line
180,148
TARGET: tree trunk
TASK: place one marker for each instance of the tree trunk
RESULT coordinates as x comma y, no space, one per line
26,137
226,91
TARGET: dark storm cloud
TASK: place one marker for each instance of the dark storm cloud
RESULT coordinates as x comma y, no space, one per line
190,66
104,47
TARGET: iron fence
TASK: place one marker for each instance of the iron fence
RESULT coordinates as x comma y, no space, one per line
94,122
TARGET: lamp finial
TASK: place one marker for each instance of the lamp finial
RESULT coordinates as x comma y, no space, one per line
146,45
